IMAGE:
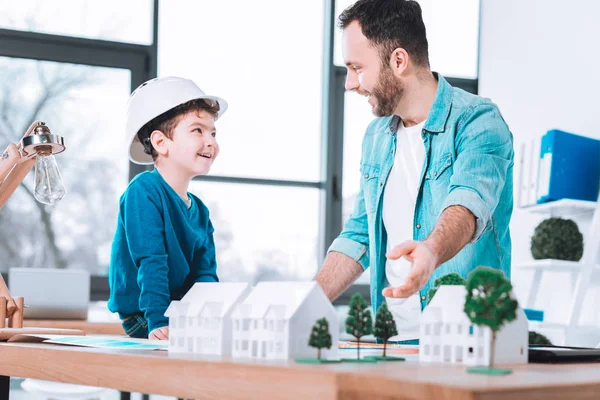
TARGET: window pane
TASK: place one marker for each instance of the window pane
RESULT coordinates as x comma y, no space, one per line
273,126
84,105
357,116
262,233
452,33
82,18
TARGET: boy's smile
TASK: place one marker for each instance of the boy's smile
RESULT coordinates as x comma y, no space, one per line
193,147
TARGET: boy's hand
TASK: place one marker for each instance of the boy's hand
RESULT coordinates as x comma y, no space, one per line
159,334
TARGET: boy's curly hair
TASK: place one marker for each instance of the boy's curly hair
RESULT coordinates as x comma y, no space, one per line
168,120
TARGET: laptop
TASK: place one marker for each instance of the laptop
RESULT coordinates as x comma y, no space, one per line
563,354
51,293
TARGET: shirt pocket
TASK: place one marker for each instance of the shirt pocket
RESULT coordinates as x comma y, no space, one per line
439,167
370,180
437,183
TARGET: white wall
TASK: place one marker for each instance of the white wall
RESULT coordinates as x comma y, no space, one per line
540,62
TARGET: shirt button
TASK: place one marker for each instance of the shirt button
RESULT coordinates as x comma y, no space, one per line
435,173
366,176
418,226
424,131
423,297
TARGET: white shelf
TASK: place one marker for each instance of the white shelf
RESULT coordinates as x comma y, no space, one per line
564,207
558,326
552,265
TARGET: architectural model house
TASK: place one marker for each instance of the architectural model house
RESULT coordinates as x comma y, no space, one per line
276,319
448,336
201,321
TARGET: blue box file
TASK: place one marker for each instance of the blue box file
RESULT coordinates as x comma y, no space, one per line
569,167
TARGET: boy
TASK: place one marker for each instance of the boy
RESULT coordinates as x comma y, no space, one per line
164,238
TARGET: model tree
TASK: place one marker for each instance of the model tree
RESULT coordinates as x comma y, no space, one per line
385,326
359,322
320,338
488,302
449,279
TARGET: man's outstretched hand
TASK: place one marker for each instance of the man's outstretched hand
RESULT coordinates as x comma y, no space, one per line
423,261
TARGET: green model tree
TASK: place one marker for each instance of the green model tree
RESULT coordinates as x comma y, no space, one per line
488,302
359,322
385,326
320,338
558,239
449,279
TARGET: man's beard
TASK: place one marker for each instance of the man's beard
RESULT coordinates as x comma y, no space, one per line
387,93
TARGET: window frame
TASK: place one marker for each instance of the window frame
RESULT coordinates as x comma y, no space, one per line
142,62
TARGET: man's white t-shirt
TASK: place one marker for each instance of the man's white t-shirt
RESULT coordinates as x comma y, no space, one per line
399,200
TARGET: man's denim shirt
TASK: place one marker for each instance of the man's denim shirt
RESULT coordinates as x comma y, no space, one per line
469,161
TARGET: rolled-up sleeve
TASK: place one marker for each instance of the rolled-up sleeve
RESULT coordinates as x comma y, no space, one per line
484,155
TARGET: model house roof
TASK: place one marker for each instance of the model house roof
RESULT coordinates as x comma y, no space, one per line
211,299
447,305
278,300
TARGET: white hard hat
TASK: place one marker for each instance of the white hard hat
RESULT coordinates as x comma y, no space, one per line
153,98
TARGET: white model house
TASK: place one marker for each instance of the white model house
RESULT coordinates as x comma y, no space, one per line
276,319
201,321
448,336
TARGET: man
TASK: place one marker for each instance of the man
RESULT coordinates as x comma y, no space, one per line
436,187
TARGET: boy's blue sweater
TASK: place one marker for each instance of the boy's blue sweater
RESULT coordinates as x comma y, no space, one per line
160,249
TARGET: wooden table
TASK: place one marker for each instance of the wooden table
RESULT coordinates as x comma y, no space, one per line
90,328
100,321
202,377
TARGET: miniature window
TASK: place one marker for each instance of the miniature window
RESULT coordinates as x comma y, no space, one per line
270,346
436,350
246,324
244,345
206,323
181,322
173,322
236,345
459,329
181,342
265,324
199,344
426,350
279,346
437,329
458,352
447,353
255,324
447,328
237,325
190,346
428,329
280,325
272,326
173,338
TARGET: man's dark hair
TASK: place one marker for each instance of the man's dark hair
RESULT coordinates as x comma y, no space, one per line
390,24
168,120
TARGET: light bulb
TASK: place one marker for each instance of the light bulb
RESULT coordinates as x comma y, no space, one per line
48,187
